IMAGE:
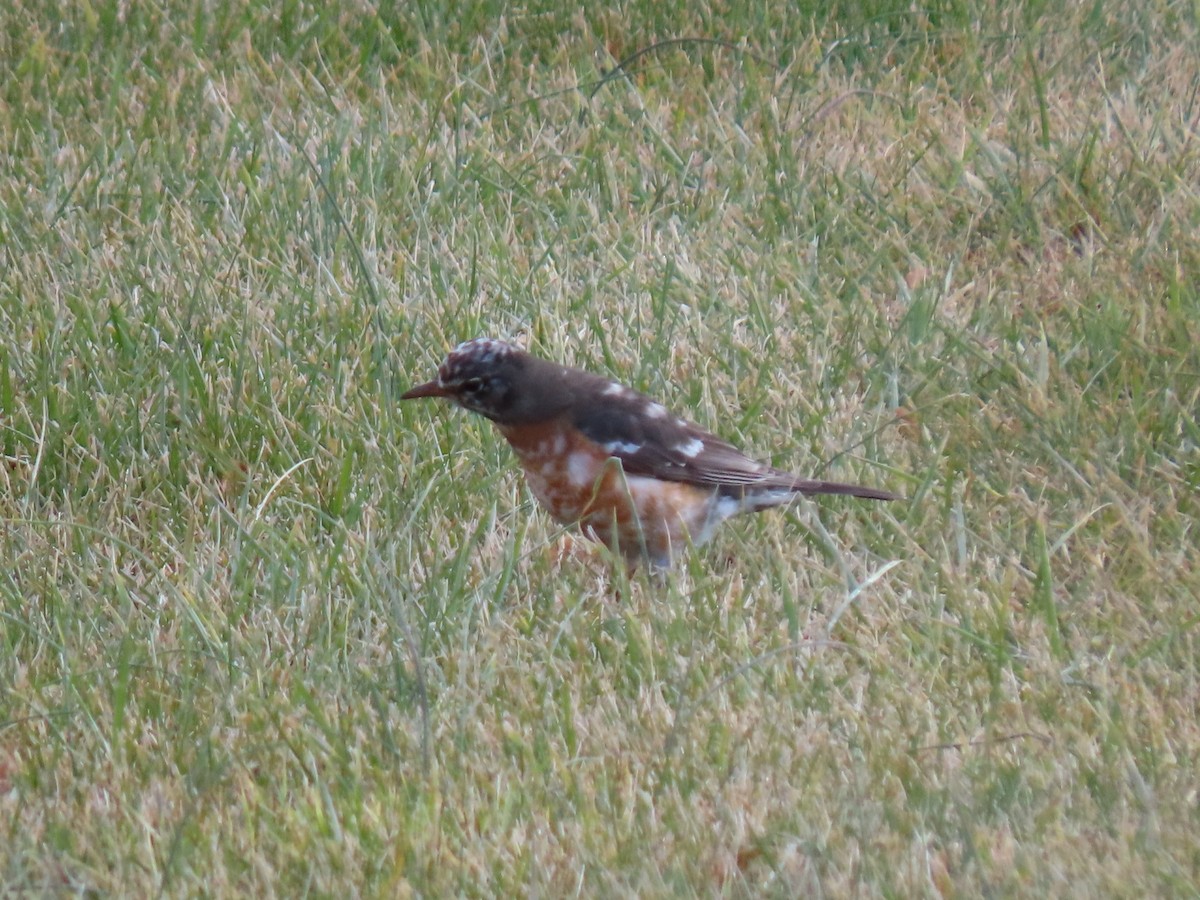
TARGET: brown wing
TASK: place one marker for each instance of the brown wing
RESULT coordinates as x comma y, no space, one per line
650,441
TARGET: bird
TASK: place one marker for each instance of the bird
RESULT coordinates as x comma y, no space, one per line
596,454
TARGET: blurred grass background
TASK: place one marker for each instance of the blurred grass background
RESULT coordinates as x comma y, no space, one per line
263,631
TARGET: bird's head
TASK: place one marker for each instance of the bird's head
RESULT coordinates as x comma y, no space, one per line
478,375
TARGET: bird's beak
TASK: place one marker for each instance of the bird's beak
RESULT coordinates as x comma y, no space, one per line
428,389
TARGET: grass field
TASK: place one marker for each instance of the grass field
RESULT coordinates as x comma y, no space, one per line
264,631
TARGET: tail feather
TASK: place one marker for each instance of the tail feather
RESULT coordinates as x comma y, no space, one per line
781,488
806,486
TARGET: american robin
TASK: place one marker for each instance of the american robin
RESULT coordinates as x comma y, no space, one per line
601,456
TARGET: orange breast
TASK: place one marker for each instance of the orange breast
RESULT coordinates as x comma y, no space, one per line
577,481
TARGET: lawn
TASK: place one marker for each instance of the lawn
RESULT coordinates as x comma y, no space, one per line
265,631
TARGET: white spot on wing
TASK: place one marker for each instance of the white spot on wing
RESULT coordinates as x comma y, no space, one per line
691,449
615,390
617,448
656,411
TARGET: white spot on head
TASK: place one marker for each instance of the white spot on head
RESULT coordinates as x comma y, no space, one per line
656,411
618,448
691,449
484,348
479,352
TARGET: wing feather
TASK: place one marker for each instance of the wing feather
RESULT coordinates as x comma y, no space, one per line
635,430
666,447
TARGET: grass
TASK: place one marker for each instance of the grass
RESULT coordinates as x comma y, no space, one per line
265,631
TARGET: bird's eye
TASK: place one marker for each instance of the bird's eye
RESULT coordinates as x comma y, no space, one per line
472,385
